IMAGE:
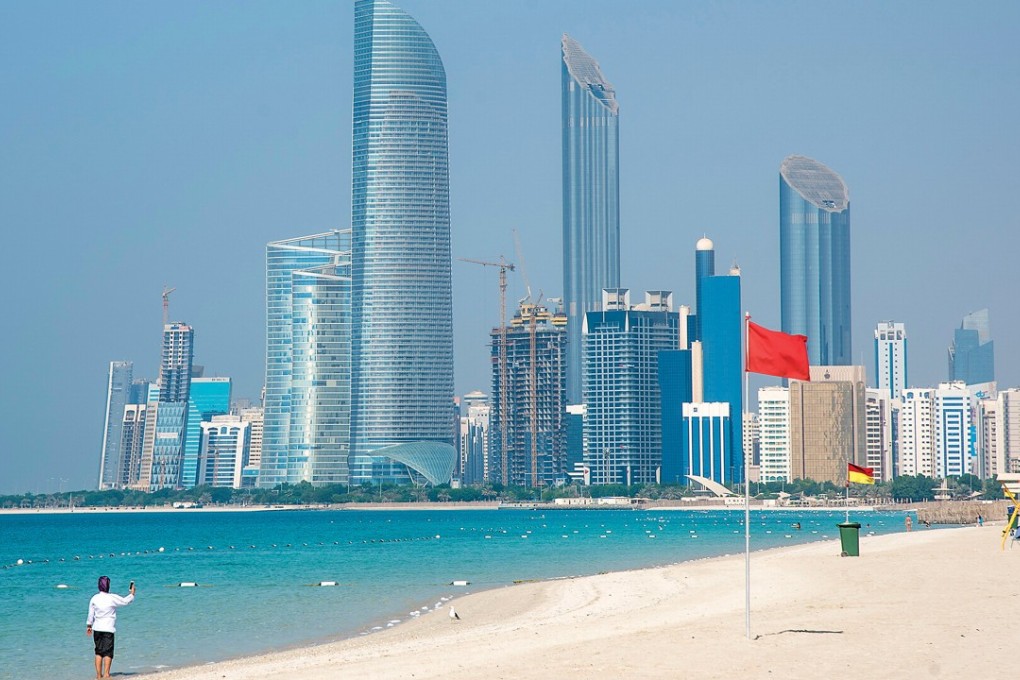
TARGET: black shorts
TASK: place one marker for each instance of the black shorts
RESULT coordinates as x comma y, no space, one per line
104,643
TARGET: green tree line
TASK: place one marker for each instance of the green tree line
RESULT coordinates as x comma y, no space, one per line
905,488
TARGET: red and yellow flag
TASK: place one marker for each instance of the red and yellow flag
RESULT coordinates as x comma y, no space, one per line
860,475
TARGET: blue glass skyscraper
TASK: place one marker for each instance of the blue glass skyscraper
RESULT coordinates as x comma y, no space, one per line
208,397
623,418
591,197
721,329
402,312
704,266
307,403
972,354
814,245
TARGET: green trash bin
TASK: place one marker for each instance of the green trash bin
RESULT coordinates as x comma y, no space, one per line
850,538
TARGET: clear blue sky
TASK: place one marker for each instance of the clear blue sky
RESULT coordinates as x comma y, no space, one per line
144,144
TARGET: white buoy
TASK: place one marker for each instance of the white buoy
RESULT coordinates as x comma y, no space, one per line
62,585
459,583
187,584
20,562
327,583
161,548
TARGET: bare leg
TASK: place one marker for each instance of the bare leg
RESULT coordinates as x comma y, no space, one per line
107,660
99,666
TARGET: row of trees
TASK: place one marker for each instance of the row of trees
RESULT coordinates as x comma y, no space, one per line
904,488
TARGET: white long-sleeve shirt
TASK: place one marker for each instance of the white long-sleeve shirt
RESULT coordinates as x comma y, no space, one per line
103,611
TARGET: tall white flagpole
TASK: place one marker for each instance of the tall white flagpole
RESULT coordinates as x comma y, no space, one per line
747,494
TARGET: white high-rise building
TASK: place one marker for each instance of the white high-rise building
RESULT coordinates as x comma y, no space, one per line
992,455
474,438
224,451
954,453
891,357
255,417
878,412
999,432
774,434
751,436
916,443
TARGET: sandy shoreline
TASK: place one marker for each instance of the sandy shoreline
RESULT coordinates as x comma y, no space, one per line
920,604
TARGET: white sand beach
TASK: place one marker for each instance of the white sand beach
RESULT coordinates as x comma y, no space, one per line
925,604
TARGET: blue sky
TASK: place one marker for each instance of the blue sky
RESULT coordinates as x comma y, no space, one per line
146,144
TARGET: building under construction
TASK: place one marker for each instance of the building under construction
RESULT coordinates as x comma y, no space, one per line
527,441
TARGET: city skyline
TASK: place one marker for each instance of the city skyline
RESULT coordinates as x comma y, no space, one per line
253,149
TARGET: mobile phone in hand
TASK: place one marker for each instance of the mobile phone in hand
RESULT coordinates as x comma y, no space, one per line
131,586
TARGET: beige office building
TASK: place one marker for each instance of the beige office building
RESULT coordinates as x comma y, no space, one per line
827,423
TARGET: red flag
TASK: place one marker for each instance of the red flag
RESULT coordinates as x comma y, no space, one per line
775,353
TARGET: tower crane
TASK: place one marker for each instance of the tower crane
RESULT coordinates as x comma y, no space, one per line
166,303
504,389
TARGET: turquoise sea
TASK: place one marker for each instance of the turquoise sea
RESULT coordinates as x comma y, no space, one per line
255,571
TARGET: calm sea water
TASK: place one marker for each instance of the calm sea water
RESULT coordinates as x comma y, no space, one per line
255,571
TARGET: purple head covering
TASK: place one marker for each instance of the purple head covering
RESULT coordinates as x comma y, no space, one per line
104,584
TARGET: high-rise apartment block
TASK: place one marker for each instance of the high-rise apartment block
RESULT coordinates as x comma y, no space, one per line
132,440
622,421
953,435
166,415
402,407
307,407
475,421
225,444
176,364
535,399
891,357
972,354
814,244
828,423
881,412
916,441
255,417
774,434
591,197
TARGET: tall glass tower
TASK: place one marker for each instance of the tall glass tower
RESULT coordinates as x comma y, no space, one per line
972,354
591,197
402,310
118,395
814,245
308,355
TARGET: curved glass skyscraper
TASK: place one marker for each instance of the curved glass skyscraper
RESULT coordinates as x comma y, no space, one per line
402,311
814,245
306,428
591,197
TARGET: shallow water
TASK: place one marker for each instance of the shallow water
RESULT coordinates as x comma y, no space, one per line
255,571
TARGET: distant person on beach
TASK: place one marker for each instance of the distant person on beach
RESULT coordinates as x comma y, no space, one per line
909,523
981,521
101,623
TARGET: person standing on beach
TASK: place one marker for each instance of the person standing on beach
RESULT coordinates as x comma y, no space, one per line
101,623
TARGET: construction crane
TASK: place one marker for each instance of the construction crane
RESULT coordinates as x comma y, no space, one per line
166,303
504,389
